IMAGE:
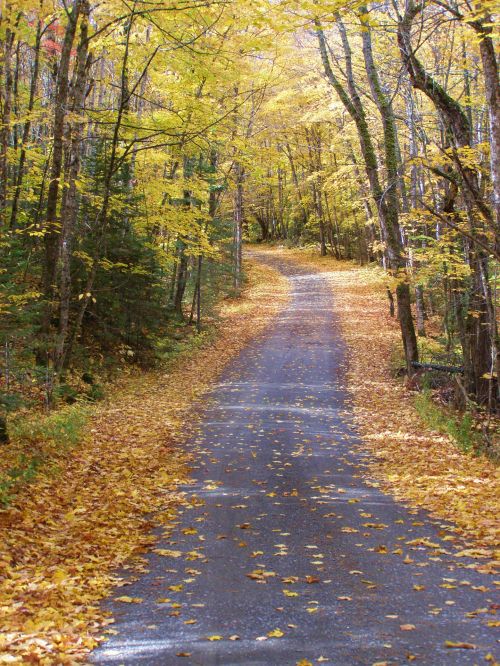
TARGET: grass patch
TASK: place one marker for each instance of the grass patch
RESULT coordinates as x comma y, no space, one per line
39,441
458,428
169,348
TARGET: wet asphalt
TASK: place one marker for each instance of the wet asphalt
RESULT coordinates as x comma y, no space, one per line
340,573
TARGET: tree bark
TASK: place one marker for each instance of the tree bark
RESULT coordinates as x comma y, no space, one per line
238,224
52,237
386,202
480,327
69,205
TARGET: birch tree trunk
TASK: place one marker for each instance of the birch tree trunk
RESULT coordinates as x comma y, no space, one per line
386,203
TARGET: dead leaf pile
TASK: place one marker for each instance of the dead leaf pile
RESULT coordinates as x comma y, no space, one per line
67,533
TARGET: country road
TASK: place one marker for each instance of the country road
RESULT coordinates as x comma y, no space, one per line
290,554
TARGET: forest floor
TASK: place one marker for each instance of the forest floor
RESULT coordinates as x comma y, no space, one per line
92,509
284,546
287,551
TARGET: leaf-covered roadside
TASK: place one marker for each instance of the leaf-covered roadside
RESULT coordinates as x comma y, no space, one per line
411,461
64,536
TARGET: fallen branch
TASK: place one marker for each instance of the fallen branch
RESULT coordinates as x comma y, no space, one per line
436,366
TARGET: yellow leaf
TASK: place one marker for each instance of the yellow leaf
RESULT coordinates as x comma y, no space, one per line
167,553
214,638
59,576
460,645
129,600
275,633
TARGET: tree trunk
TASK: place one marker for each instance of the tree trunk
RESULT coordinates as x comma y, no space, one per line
386,202
480,322
181,280
492,90
52,237
26,128
5,119
420,309
69,205
238,224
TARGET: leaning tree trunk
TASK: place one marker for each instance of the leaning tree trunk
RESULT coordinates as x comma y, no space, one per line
387,213
390,201
481,369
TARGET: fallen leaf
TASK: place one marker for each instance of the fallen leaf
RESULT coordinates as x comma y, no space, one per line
275,633
460,645
167,553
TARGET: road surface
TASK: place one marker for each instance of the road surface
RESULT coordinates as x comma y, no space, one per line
289,553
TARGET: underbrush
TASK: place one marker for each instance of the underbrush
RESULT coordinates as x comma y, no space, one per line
459,427
167,349
39,442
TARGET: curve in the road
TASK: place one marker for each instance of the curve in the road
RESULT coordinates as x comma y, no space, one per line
339,572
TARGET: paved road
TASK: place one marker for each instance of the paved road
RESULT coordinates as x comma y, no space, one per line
283,493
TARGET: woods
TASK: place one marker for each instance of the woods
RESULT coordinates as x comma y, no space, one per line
113,175
249,258
141,143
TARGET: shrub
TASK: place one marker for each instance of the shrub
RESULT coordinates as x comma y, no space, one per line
39,442
459,428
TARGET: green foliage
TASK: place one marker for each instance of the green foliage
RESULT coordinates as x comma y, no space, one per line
11,402
459,427
23,472
60,429
95,393
39,443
